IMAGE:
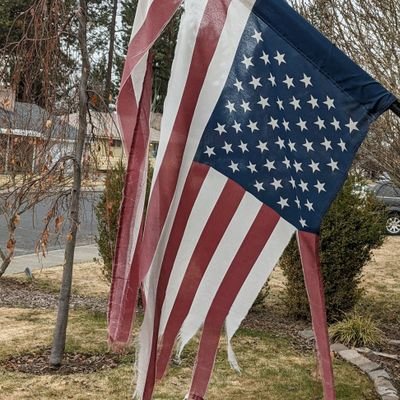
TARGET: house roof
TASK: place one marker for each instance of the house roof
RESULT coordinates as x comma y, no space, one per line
100,124
105,125
26,119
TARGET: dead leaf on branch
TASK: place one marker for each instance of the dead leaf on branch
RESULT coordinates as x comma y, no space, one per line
16,219
58,223
11,246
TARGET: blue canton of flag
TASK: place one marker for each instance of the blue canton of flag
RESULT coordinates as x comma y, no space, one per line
282,129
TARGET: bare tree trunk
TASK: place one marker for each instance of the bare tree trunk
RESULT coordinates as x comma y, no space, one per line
107,90
5,262
6,258
59,339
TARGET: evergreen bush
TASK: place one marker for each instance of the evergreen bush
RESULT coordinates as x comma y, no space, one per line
351,229
107,215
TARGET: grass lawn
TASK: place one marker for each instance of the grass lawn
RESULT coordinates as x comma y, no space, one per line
273,367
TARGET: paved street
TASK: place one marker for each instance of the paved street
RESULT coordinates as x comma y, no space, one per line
31,225
52,259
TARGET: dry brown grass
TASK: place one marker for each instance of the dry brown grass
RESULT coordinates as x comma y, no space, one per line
382,274
87,279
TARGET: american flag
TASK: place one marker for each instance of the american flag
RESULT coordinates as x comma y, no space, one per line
261,123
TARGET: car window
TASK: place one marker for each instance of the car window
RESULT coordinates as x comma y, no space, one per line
388,190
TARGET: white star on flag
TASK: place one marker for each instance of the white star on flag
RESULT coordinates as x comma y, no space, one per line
352,125
320,186
234,167
313,101
330,103
283,202
210,151
262,146
276,183
306,80
228,148
265,58
269,164
230,106
247,62
220,128
257,36
280,58
263,102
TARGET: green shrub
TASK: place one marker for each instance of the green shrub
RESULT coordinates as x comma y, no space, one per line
259,302
356,331
351,229
107,215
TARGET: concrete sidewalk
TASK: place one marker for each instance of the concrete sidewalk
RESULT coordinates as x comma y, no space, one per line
52,259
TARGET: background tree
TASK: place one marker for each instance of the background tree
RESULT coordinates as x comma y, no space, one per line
368,31
34,166
164,50
60,331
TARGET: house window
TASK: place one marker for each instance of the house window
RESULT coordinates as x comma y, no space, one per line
153,149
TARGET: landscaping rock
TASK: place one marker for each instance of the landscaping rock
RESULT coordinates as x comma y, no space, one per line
338,347
384,387
378,373
369,366
307,334
353,357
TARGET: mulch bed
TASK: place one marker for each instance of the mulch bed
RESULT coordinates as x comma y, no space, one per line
390,365
73,363
20,294
268,320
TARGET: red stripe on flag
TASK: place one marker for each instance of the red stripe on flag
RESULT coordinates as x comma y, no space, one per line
190,192
247,255
309,252
158,16
167,178
210,237
127,113
121,290
208,242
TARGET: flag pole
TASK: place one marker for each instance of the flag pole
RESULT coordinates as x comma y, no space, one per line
395,107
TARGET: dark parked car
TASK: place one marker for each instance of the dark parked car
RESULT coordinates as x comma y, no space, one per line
389,194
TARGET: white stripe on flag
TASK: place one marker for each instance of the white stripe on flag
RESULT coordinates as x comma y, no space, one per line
136,222
216,77
138,73
259,274
217,74
188,30
202,208
137,76
219,264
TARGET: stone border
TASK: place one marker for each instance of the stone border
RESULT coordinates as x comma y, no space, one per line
376,373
